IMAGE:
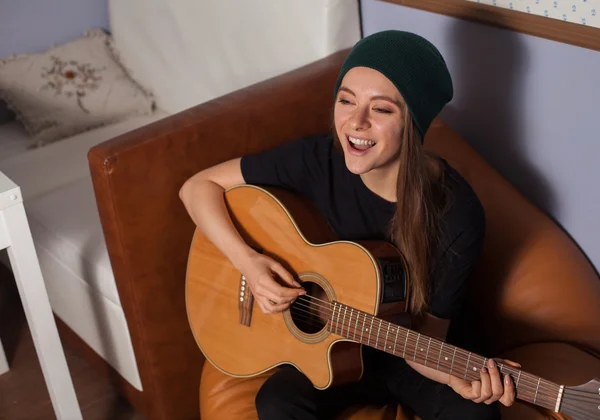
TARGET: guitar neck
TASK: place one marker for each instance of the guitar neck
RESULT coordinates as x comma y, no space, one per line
412,346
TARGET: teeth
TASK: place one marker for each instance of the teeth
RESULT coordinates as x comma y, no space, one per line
363,142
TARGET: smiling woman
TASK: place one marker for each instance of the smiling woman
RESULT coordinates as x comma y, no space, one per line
372,180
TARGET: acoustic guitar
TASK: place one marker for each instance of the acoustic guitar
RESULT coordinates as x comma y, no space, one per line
350,287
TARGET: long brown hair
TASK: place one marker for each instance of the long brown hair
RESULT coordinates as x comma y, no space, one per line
421,201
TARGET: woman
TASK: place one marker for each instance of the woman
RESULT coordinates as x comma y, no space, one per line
371,179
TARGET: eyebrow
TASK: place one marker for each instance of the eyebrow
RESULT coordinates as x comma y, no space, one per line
382,97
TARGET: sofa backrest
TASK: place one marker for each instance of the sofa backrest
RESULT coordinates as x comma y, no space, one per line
187,51
532,282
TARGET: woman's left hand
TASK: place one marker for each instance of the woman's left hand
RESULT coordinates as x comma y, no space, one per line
489,388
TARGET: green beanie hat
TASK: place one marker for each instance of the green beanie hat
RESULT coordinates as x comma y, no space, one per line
412,64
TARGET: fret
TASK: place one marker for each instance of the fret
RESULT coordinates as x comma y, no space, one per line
363,328
416,349
372,319
452,365
377,338
467,367
405,343
440,356
396,341
427,354
338,318
350,322
386,337
536,390
332,313
344,320
518,377
356,326
339,323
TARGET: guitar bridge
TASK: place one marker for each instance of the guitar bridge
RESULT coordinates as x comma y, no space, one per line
246,302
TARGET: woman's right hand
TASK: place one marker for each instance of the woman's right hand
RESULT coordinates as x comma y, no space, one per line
260,272
203,197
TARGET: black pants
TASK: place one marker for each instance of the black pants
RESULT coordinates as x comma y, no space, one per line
288,394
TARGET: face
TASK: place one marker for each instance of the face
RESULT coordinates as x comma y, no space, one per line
368,121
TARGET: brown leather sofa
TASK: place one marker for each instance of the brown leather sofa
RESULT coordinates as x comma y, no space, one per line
534,297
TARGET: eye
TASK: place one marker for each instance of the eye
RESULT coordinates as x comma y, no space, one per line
344,101
382,110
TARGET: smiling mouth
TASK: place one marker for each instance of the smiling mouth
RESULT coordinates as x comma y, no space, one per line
360,144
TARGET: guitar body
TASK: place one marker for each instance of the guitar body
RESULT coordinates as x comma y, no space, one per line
230,328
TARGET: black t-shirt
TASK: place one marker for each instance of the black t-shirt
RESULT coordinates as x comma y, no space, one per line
314,168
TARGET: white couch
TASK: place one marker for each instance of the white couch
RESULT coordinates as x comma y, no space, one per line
185,52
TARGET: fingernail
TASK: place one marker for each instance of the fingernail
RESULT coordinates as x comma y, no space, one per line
506,379
302,292
491,364
483,369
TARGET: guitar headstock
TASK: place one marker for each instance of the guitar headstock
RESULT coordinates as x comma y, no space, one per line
582,402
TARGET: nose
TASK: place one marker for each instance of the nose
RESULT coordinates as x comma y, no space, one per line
359,120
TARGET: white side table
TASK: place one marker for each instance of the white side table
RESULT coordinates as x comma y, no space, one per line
15,235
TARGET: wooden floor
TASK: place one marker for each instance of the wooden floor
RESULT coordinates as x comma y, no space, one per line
23,394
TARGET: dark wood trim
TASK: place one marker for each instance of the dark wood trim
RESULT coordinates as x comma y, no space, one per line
549,28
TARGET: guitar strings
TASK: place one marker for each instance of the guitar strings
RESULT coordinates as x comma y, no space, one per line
540,395
585,413
523,380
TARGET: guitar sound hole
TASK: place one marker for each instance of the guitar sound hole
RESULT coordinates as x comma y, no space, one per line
311,311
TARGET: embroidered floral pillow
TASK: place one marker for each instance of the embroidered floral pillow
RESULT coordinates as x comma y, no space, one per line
71,88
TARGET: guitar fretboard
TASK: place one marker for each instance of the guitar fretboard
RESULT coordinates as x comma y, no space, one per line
410,345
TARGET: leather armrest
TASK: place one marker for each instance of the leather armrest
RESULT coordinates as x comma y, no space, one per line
136,179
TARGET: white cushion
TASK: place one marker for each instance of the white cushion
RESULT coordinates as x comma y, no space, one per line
187,51
46,168
71,88
14,140
66,223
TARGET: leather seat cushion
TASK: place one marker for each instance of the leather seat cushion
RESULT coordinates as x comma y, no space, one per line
226,397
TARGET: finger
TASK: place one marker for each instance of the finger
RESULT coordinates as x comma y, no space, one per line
280,294
511,363
496,382
262,307
268,298
284,275
273,308
509,391
486,387
475,391
267,286
275,298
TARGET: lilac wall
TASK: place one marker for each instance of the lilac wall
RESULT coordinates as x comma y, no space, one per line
527,104
29,26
